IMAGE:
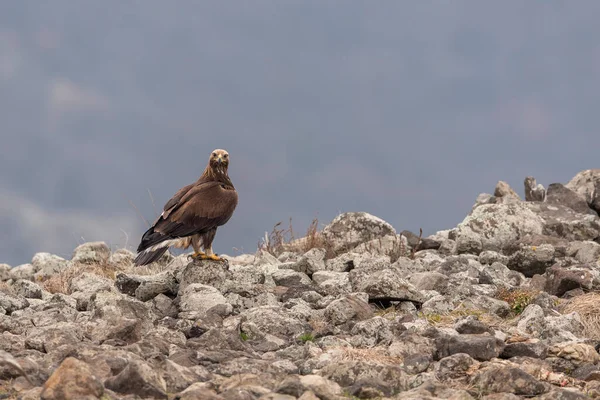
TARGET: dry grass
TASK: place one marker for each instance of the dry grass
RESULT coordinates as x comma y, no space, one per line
378,355
588,308
319,325
283,239
517,298
449,319
61,282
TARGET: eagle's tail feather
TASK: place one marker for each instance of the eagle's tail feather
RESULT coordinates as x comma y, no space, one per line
149,256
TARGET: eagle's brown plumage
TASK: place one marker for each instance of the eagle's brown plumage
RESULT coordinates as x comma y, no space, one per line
192,215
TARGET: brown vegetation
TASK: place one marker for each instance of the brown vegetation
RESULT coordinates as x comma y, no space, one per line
588,308
61,282
517,298
283,239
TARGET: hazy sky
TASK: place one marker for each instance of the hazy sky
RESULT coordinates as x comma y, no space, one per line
406,110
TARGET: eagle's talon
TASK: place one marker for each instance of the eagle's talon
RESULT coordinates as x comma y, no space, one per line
196,256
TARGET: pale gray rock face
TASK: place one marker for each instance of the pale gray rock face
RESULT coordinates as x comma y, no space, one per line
495,226
587,184
563,222
91,253
23,271
348,230
557,193
198,300
47,265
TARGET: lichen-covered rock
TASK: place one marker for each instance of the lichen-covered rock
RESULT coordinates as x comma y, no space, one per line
587,184
557,193
533,348
11,303
563,222
454,366
47,265
495,226
91,253
480,347
586,252
23,271
206,272
531,260
346,309
145,288
348,230
387,285
561,280
508,380
197,301
290,278
27,289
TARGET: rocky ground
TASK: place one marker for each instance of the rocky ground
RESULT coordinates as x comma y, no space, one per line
504,306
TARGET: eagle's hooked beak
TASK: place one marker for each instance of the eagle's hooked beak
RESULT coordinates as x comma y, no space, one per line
220,159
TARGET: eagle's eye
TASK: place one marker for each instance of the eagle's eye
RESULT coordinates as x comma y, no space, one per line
225,155
214,154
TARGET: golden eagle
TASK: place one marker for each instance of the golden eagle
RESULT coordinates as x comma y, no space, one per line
193,214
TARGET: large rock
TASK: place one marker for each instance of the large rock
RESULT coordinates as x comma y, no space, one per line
508,380
348,230
47,265
587,184
480,347
276,321
454,366
586,252
12,303
197,300
206,272
563,222
557,193
139,379
388,285
495,227
531,260
91,253
561,280
144,287
73,379
347,308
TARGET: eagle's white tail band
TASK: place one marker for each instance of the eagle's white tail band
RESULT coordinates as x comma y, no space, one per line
161,245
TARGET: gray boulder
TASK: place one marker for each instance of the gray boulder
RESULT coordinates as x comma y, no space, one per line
557,193
495,226
348,230
587,184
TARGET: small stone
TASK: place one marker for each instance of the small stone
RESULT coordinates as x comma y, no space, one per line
454,366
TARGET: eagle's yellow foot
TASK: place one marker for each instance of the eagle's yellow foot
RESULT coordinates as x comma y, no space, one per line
199,255
214,257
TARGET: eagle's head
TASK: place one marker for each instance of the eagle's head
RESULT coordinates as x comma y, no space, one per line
219,159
